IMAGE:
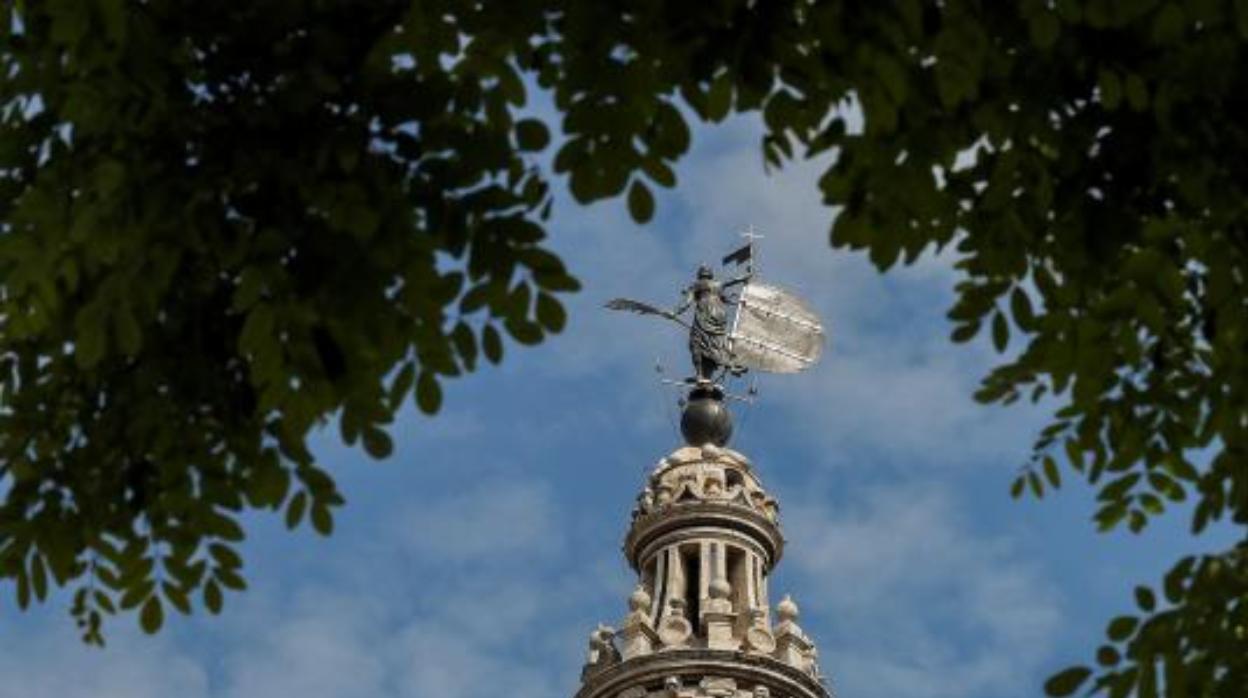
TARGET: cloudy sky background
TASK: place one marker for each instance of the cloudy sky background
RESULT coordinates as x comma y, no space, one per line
475,561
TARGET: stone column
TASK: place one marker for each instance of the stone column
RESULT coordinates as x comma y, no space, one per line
717,616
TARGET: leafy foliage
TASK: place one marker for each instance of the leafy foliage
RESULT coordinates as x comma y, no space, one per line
221,228
224,226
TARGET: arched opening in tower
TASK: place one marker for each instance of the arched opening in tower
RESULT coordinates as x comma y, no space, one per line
689,560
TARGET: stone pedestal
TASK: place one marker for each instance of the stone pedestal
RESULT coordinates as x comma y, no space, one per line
718,629
637,640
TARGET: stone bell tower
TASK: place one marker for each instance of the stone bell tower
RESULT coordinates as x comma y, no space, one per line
704,539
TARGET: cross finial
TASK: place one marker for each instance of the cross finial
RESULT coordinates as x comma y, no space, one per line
750,233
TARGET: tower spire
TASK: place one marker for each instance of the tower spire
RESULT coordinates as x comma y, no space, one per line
705,534
704,540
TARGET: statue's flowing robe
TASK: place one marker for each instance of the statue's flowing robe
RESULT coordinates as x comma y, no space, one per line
708,334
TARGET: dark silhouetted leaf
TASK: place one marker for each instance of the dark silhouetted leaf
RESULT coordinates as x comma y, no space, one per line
1066,682
492,344
296,508
377,443
640,202
153,615
428,393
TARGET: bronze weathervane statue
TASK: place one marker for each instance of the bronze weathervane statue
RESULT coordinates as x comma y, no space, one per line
709,347
769,330
708,333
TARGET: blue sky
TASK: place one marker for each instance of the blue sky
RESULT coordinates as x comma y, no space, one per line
479,556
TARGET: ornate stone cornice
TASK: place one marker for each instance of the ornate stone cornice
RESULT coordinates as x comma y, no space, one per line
692,667
702,518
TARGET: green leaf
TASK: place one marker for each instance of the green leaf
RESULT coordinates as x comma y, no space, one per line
477,297
322,519
1137,92
669,130
965,333
177,597
719,97
523,331
658,172
491,344
532,135
348,155
1000,331
1110,89
129,336
90,336
1110,515
428,393
518,301
1020,307
1145,599
23,591
113,16
377,443
212,597
954,82
223,525
38,577
103,602
1120,628
550,313
294,510
1168,26
557,281
893,75
229,578
1051,472
1037,487
225,555
1175,579
1066,682
257,329
1151,503
1044,27
402,383
465,344
1118,488
1074,454
640,202
136,594
152,615
1169,488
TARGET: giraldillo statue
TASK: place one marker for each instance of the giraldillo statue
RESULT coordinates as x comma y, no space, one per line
760,327
708,333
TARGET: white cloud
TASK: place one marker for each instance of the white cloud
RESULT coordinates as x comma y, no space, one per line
316,653
451,601
53,663
440,663
938,610
499,520
891,386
